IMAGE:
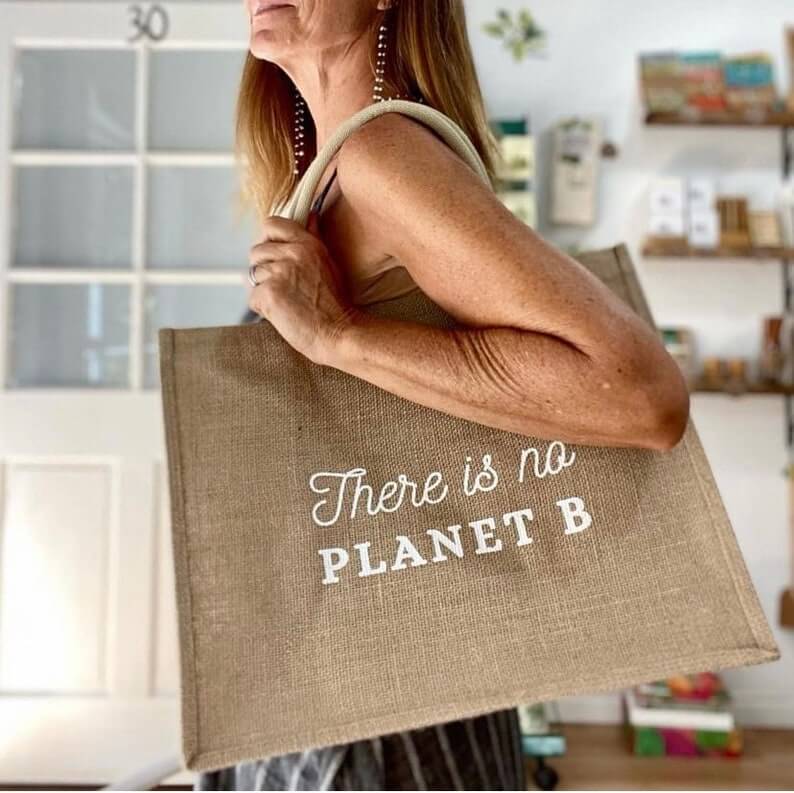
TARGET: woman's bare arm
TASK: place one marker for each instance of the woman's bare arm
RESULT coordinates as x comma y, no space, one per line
549,350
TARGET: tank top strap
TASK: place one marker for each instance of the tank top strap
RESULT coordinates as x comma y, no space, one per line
318,202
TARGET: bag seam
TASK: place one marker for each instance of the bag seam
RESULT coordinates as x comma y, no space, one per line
182,552
489,703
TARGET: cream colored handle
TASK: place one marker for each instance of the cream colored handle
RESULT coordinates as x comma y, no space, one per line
299,205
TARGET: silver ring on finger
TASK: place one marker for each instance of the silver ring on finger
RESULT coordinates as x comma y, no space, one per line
252,275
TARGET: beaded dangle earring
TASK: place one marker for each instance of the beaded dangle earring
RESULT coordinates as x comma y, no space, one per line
298,134
380,64
299,131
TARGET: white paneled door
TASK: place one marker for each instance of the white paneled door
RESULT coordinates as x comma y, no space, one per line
118,215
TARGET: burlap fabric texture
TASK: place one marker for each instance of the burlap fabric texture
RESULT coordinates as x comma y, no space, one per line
349,563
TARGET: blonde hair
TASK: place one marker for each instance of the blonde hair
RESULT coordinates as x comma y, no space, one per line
429,57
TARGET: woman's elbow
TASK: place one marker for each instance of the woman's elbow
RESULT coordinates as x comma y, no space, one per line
667,412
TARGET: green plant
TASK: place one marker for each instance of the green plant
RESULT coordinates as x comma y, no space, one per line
521,35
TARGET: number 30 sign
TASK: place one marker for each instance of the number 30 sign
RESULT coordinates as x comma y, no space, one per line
150,22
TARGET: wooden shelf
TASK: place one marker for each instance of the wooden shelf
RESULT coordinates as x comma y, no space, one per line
752,389
653,249
778,118
782,120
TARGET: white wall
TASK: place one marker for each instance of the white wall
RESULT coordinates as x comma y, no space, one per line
589,67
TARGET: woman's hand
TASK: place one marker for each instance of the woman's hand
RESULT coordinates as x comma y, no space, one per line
300,288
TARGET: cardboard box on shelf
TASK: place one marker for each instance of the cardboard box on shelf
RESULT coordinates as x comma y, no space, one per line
734,221
765,229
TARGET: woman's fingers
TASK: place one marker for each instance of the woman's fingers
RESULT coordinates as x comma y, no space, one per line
285,248
262,252
277,251
278,229
281,238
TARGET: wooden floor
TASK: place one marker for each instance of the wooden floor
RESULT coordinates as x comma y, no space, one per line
598,759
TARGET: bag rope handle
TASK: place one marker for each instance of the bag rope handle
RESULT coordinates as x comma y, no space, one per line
298,205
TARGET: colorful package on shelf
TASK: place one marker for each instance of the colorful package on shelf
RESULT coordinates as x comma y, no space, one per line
517,161
688,715
685,715
750,82
537,737
704,690
516,167
679,342
670,741
703,80
661,82
549,745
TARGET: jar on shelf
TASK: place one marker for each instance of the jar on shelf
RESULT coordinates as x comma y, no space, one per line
736,381
770,368
713,377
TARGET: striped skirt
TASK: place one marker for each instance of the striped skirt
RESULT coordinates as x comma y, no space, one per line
483,753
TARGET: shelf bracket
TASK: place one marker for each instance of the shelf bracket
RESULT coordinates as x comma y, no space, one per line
787,151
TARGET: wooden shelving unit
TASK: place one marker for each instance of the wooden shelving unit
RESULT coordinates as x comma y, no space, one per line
752,389
784,121
771,118
654,249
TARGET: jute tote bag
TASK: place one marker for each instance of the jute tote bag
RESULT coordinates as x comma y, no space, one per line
349,563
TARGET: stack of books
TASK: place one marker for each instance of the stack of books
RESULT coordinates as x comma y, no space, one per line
684,716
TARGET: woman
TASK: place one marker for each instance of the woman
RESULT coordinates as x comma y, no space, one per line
548,351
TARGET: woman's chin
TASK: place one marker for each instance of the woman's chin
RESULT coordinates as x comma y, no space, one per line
266,45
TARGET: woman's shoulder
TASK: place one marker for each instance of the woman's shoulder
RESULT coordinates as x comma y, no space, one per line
395,173
391,128
388,147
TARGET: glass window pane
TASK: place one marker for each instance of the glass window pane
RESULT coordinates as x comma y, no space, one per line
192,96
69,335
74,99
187,306
193,220
72,217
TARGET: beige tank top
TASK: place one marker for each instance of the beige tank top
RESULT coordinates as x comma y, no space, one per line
389,281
